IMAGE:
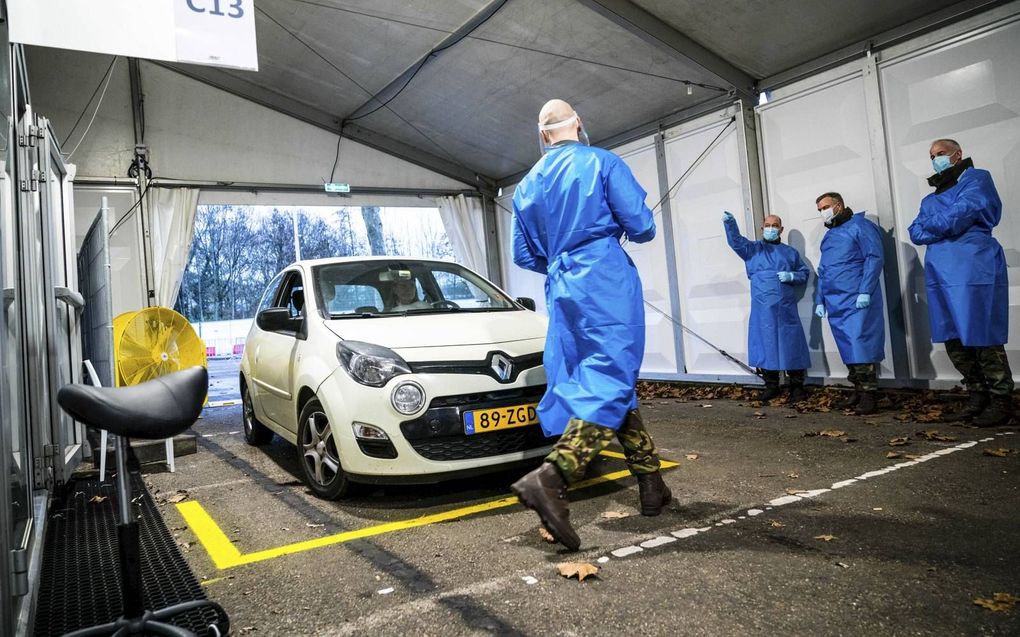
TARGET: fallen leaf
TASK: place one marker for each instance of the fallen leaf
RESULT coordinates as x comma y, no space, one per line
912,456
790,416
902,417
96,499
795,491
546,535
792,475
932,434
707,406
825,538
892,455
899,441
873,423
842,565
314,526
758,413
1000,602
581,570
615,515
847,439
1001,452
692,456
776,524
832,433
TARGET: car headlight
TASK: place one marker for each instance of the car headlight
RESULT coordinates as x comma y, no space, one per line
369,364
407,397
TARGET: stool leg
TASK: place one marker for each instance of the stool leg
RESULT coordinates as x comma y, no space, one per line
170,454
104,436
127,539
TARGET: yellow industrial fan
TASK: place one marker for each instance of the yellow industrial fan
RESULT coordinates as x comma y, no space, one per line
154,342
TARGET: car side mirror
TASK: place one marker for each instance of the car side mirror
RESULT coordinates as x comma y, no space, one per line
527,302
275,319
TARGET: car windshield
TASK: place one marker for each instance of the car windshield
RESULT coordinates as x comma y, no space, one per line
367,289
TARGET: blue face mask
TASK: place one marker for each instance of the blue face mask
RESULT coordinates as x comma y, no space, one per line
941,163
770,234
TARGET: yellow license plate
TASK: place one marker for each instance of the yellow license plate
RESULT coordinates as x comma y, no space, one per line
480,421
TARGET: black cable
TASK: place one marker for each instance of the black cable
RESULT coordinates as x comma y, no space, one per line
129,211
85,109
517,46
339,138
431,54
367,92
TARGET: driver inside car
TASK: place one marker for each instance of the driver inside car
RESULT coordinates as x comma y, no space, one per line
405,296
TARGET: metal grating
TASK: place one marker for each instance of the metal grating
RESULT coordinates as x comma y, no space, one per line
80,584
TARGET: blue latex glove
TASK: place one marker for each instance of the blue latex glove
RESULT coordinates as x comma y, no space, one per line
785,277
820,311
863,301
726,216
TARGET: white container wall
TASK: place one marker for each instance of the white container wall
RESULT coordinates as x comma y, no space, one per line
660,336
714,292
964,89
814,140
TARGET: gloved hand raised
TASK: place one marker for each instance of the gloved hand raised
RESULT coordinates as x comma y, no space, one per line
820,311
863,301
727,216
785,277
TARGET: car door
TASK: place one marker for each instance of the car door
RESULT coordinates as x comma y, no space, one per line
275,354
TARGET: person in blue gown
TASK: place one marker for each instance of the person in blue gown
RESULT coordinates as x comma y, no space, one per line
967,285
775,335
570,212
849,292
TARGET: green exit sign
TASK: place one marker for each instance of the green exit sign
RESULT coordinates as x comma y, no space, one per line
337,187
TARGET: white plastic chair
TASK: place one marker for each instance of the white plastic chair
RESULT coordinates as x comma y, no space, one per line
104,435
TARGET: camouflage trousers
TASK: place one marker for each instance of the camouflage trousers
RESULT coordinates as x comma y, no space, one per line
863,376
583,441
984,369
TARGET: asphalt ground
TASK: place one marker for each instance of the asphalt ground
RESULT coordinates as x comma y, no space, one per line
905,552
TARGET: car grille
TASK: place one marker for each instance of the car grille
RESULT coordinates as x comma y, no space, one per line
438,434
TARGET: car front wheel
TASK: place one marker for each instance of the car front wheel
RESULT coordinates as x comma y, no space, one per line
320,460
255,433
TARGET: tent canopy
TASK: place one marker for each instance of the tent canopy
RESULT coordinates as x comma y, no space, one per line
456,85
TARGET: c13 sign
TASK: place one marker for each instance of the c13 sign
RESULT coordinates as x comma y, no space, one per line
213,32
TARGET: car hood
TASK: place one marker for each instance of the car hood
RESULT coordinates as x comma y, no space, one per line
442,330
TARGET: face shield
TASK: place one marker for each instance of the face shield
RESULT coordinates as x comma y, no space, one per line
573,120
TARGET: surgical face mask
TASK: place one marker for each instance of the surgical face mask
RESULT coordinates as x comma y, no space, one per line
573,120
941,163
827,214
770,234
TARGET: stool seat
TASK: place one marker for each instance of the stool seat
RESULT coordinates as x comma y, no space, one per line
160,408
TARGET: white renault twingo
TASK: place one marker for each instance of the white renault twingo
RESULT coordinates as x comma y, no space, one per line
392,370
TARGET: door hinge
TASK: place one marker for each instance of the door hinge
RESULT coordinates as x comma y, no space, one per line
19,572
28,139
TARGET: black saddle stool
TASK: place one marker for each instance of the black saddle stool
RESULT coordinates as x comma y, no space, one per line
159,408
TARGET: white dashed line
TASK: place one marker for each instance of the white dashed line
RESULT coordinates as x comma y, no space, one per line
790,499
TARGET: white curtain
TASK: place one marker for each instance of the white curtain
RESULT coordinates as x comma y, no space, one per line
171,228
462,217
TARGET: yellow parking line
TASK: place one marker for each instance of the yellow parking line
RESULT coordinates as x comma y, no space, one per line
225,555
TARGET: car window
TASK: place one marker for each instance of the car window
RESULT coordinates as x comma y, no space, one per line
383,287
293,297
270,294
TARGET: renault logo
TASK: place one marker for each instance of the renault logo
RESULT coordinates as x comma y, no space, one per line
503,367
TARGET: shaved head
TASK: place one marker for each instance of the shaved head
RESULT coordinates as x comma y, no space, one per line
772,220
555,111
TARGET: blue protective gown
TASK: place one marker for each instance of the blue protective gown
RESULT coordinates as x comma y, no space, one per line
964,266
570,211
851,264
775,335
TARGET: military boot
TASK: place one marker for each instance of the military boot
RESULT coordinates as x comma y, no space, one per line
977,402
797,393
545,492
771,391
850,401
998,413
653,493
866,404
